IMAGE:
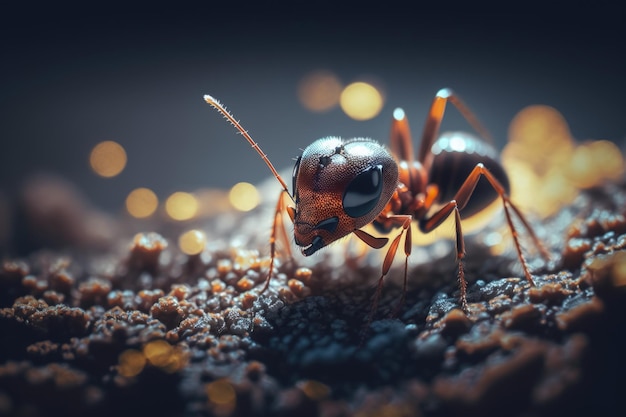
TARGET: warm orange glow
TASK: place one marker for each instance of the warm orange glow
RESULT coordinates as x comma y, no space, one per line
608,158
582,169
546,166
319,91
107,159
315,390
141,202
539,125
164,356
181,206
361,101
541,137
244,196
131,362
192,242
221,392
593,162
158,353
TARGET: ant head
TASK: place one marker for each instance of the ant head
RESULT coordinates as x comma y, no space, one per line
339,186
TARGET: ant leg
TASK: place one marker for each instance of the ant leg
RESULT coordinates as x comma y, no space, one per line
428,225
544,251
461,199
405,222
433,122
277,227
464,194
401,144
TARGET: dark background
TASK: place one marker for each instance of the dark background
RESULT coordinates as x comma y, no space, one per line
74,75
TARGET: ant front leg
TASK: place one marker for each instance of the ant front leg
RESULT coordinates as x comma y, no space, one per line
405,222
278,227
459,202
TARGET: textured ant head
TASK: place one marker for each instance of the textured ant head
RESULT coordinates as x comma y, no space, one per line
339,186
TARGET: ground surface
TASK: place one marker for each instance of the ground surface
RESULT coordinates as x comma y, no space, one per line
143,328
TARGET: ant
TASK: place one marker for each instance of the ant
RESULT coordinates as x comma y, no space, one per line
340,186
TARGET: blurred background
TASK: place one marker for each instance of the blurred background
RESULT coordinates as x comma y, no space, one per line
76,75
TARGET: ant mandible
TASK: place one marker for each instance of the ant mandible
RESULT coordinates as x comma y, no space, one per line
340,186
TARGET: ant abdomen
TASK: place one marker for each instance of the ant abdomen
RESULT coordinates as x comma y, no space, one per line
455,155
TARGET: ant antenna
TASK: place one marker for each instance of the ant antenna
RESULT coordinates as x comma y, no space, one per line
228,116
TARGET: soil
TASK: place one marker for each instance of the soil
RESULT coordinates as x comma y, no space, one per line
114,324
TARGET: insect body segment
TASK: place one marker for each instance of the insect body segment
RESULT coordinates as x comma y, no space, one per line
340,186
456,154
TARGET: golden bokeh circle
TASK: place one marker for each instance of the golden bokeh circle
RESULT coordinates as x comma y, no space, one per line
108,159
361,101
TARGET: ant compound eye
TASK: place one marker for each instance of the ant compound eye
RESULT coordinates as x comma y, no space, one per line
363,192
294,175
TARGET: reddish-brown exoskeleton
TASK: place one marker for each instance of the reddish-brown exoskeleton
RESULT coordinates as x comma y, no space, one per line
340,186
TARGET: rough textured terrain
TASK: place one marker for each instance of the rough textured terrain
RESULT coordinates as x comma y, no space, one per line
140,328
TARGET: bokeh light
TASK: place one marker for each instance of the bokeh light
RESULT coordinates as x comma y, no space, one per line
131,362
361,101
141,203
221,392
164,356
181,206
547,167
319,90
158,352
594,161
107,159
315,390
244,196
192,242
540,136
